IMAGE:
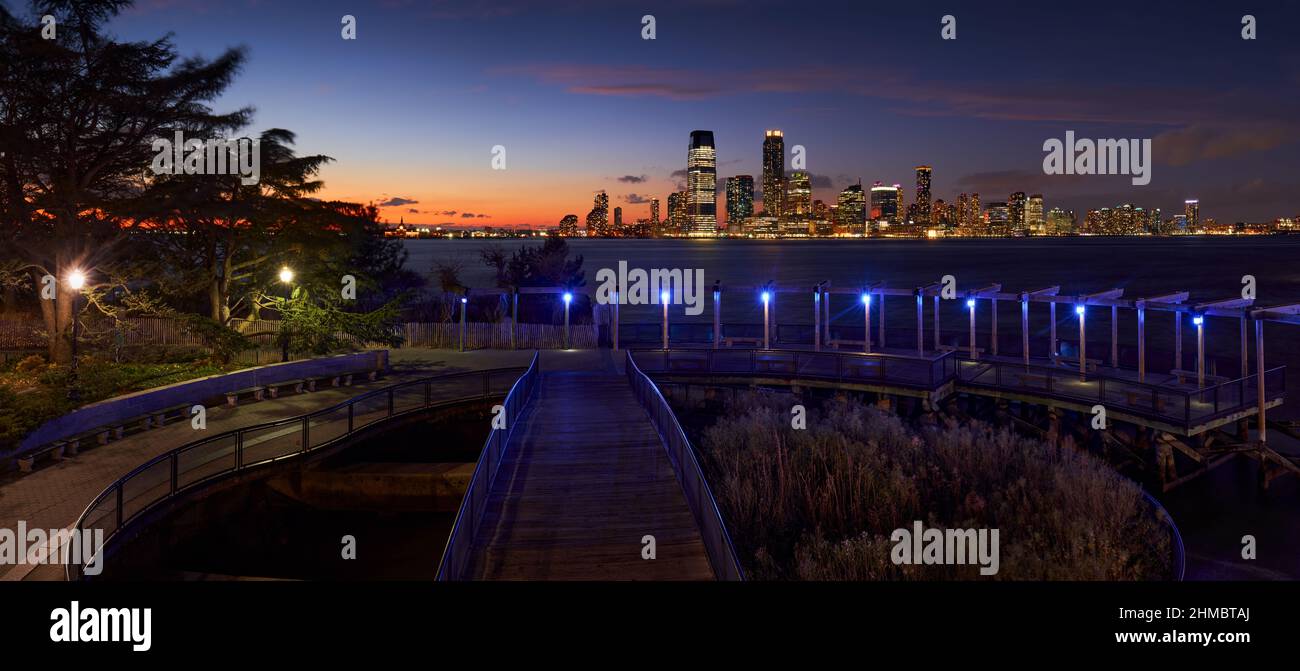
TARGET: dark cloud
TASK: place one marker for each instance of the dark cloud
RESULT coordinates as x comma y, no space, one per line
678,173
1204,142
413,210
396,201
636,199
448,213
632,179
471,215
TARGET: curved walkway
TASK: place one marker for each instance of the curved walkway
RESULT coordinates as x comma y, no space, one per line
54,497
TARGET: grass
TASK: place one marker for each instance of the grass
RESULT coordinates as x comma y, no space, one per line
820,503
33,392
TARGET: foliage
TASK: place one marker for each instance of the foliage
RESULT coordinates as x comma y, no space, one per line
320,326
225,342
821,503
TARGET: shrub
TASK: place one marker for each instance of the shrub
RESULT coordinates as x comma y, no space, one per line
821,503
30,364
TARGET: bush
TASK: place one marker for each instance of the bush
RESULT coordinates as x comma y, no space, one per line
30,364
224,341
821,503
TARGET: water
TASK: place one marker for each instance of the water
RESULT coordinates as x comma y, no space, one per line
1214,512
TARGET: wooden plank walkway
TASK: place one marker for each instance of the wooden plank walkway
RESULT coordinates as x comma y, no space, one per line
584,478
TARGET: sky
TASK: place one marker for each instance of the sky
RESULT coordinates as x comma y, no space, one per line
412,108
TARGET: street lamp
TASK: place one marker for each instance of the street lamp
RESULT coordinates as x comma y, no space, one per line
866,332
1199,321
286,278
767,297
970,303
663,298
76,280
568,298
1083,343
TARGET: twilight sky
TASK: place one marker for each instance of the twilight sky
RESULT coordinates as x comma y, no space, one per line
413,107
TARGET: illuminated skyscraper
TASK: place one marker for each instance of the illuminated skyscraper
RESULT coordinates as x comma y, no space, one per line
773,173
569,225
1016,213
975,213
618,221
677,212
798,194
1060,222
884,206
702,184
997,219
740,200
1192,210
851,211
654,211
1034,214
922,194
598,218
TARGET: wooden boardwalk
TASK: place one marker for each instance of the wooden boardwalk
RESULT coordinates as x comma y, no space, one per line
584,478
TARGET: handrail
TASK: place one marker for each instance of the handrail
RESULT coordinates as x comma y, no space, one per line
163,476
713,530
929,372
1178,560
460,542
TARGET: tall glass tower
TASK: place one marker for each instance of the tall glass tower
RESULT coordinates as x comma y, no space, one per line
773,173
702,184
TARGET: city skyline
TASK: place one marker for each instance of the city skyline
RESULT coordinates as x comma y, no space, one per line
977,108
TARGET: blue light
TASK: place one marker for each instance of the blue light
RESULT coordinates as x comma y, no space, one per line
970,302
568,298
464,300
663,297
1078,309
1198,320
766,296
866,299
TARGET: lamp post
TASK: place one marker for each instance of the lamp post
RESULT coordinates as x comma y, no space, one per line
1199,321
1083,343
286,278
76,280
767,297
464,307
866,332
568,298
970,303
663,298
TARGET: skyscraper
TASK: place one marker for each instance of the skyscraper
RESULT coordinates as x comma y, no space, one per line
677,212
740,200
1060,222
1192,210
569,225
851,212
702,184
963,211
1016,213
884,206
997,219
654,212
798,194
1034,214
618,221
598,217
922,194
773,173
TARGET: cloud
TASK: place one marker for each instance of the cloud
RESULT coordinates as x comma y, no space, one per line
471,215
448,213
678,173
1203,142
397,201
636,199
413,210
632,179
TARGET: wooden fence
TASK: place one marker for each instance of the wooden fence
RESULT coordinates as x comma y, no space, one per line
478,335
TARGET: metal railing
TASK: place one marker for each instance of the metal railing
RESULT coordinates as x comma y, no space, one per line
1184,407
175,472
910,371
460,543
708,518
1178,555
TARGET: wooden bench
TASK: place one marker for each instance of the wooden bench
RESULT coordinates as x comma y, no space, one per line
730,341
309,384
1184,375
1138,398
232,397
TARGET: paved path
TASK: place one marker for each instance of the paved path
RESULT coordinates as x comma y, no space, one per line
585,477
55,496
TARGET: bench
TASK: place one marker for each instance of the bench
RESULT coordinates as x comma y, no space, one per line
306,383
232,397
730,341
59,449
1089,365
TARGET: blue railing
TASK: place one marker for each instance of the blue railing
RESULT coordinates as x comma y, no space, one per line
717,542
170,474
460,544
927,373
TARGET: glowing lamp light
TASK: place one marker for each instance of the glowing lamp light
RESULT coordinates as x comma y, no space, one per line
1078,309
970,302
286,275
663,297
464,300
568,298
1198,320
76,279
866,298
766,296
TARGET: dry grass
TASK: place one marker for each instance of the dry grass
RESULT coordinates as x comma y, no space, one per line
821,503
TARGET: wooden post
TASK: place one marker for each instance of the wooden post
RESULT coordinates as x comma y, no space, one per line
1051,352
882,321
514,321
665,323
717,318
766,322
1178,340
1200,353
993,303
1024,326
1259,383
817,319
615,328
920,325
936,322
1245,356
1083,343
1142,344
866,332
1114,336
971,304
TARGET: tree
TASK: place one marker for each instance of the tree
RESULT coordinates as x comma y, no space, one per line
77,118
